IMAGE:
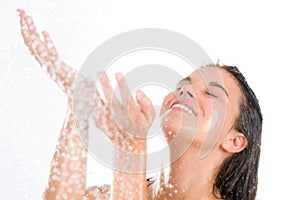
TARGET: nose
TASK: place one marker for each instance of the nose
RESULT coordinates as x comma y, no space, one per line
185,90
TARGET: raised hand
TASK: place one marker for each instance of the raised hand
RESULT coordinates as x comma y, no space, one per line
125,123
45,53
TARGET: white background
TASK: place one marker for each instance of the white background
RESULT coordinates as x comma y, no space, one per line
260,37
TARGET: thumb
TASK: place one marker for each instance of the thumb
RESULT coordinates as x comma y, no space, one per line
145,106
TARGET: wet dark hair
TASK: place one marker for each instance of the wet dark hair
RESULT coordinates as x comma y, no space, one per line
238,175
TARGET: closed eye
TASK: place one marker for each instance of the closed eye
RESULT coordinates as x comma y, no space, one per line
178,88
210,94
182,82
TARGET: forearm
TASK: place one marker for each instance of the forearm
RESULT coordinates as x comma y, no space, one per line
129,186
129,176
68,169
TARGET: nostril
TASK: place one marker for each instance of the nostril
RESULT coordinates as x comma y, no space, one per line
190,94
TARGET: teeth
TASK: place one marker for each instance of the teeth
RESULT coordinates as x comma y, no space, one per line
185,108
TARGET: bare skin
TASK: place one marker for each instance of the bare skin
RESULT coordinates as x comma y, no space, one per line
191,177
60,184
67,178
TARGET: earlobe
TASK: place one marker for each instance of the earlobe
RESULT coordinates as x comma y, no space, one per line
234,142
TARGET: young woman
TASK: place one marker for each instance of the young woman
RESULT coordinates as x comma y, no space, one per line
212,123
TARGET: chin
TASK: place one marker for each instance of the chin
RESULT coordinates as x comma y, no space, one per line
170,124
180,127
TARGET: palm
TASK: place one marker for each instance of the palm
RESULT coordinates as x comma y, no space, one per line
45,53
125,123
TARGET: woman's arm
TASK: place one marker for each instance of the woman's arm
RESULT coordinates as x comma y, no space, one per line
130,184
67,178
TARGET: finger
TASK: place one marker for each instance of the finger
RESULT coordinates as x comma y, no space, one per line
37,45
32,38
61,69
124,91
20,10
50,47
26,35
31,27
99,109
98,102
107,89
52,57
145,106
24,28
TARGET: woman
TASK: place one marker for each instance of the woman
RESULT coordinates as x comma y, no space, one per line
213,116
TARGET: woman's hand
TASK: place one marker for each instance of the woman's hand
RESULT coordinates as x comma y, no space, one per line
125,123
45,53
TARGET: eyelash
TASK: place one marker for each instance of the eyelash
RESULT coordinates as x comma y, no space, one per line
210,94
178,88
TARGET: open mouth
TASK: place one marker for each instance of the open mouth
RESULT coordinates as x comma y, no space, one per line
184,108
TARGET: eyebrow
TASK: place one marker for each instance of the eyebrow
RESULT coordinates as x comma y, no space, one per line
188,79
213,83
219,86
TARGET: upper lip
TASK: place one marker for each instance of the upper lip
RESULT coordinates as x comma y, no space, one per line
183,103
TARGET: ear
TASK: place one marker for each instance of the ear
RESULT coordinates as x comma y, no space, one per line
234,142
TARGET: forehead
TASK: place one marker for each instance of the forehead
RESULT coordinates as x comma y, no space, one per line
207,75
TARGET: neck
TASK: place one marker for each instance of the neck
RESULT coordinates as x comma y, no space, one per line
192,177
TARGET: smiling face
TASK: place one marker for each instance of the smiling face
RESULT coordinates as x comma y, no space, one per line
202,110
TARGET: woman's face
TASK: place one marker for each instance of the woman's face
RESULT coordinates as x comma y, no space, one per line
202,110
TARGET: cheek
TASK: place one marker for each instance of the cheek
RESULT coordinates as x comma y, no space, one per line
210,121
213,129
207,115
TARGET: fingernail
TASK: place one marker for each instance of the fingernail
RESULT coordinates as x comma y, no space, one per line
103,75
99,74
140,95
119,76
